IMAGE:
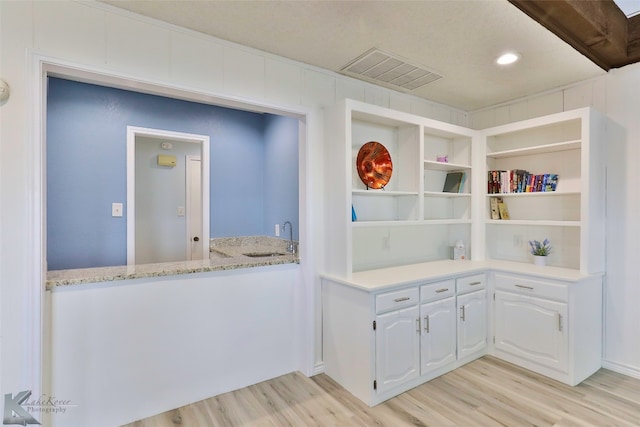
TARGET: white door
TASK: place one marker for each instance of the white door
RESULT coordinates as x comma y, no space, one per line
195,239
438,343
397,348
472,323
532,328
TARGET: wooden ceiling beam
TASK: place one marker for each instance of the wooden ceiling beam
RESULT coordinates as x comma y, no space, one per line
596,28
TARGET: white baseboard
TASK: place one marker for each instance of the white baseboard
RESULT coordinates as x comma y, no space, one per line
621,369
318,368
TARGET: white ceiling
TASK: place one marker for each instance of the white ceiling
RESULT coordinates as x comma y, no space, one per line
458,39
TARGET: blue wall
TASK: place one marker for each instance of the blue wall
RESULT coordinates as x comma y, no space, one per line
86,167
281,174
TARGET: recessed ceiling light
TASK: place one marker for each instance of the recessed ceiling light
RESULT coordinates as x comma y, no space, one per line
507,58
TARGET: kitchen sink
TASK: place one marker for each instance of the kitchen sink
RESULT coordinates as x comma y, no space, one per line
263,254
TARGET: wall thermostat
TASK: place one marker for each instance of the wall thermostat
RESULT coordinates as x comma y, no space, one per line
164,160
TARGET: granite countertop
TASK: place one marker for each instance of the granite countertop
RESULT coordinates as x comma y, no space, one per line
227,253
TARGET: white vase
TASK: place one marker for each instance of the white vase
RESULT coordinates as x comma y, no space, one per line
540,260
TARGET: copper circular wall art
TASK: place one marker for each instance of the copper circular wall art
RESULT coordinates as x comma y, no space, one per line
374,165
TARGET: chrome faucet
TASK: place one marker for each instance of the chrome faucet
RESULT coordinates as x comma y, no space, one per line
291,248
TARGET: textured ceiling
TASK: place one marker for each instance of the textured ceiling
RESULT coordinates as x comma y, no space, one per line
459,40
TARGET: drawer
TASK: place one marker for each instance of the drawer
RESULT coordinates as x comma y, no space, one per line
528,286
438,290
471,283
396,299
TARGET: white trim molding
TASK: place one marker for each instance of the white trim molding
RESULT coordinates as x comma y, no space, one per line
621,369
132,133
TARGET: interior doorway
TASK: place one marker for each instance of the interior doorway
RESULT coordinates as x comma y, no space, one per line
167,196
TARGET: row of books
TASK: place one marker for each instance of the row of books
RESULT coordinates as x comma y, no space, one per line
520,181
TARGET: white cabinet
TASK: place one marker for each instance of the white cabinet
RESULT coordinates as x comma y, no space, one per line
472,316
549,326
472,323
532,328
397,348
438,343
380,344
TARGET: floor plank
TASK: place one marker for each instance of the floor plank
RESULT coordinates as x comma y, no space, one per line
487,392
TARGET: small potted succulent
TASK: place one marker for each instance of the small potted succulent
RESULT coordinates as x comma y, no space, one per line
540,251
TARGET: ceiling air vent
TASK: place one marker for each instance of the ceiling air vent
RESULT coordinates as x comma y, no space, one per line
376,66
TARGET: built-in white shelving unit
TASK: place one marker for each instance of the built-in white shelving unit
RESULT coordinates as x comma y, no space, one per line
412,219
387,330
571,145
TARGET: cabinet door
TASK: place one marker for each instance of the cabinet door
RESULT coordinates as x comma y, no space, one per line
438,343
397,347
532,328
472,323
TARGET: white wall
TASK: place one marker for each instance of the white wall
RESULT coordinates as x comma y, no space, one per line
616,95
129,350
101,38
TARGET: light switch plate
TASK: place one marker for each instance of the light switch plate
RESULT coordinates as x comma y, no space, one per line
181,211
116,209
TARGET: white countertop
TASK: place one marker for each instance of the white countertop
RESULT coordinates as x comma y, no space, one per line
383,278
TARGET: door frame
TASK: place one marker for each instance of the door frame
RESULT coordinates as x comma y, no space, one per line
187,204
134,132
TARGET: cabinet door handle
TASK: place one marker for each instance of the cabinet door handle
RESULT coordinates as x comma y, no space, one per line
475,283
559,322
438,291
462,315
401,299
426,324
418,324
524,287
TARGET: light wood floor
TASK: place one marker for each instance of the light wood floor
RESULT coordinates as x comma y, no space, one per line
486,392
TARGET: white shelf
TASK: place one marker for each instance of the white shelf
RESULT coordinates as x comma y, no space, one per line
538,149
536,194
446,221
445,194
385,223
358,224
442,166
533,222
382,193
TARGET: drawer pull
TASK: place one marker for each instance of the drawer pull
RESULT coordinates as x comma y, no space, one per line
475,283
426,324
402,299
525,287
438,291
